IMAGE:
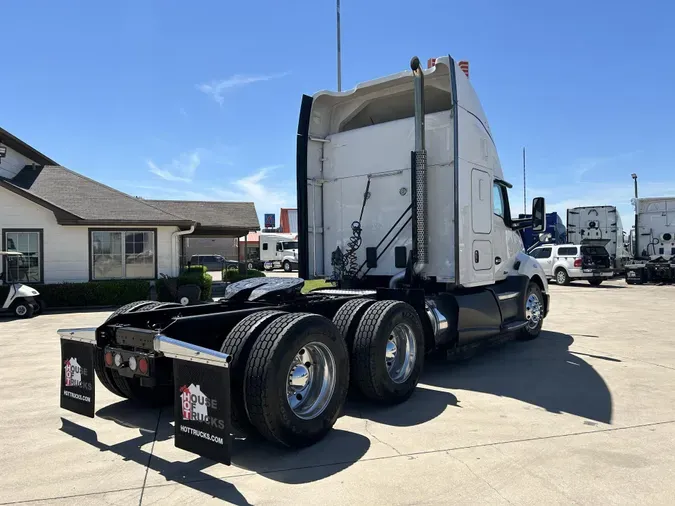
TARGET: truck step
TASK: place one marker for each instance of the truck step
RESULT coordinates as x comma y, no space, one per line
511,326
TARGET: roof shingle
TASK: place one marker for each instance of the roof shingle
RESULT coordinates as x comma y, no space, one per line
240,215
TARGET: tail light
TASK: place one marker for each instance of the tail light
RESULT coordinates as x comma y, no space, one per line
577,262
109,359
142,366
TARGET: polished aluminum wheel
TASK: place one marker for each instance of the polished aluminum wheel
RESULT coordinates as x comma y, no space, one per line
311,380
560,278
533,310
400,353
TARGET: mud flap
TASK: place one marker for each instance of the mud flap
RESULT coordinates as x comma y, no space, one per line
78,381
201,382
202,409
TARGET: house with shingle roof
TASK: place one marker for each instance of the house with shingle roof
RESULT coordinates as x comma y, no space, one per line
72,228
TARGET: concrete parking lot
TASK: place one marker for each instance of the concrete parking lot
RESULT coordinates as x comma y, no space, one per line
585,414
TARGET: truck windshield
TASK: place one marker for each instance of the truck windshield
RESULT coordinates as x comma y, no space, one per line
290,245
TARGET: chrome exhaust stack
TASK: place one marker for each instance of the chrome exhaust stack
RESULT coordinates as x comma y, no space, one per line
419,176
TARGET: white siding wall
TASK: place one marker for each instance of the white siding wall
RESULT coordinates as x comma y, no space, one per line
12,163
66,249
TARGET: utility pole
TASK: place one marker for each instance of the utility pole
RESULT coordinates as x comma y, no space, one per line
524,187
339,55
636,247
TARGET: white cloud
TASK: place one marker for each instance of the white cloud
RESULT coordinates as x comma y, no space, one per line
263,187
216,89
587,164
181,169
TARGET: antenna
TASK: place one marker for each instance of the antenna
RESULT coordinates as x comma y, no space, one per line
339,64
524,187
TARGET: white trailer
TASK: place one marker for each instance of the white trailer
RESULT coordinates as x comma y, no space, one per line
279,251
600,226
419,237
654,241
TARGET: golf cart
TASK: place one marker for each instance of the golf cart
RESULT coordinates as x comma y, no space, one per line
20,299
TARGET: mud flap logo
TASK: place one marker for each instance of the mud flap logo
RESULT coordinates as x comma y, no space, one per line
77,380
202,409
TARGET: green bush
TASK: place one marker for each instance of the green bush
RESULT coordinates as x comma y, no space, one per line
94,293
196,275
232,275
195,269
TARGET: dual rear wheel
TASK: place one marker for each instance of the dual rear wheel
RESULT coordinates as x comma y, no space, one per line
291,372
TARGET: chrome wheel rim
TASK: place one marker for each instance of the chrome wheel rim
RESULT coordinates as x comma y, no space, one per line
311,380
561,277
400,353
21,310
533,311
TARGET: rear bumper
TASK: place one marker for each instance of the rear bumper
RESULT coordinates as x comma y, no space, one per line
591,273
201,386
650,272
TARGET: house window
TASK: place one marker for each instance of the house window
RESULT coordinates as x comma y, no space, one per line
123,254
28,267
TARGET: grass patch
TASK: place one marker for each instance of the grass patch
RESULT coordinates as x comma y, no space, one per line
316,283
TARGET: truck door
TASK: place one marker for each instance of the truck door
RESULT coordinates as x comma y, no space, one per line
503,254
481,227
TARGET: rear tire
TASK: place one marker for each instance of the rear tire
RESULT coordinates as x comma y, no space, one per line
238,344
388,352
348,317
561,277
534,312
130,388
595,282
276,377
105,376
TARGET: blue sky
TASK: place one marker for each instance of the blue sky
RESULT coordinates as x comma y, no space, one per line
167,99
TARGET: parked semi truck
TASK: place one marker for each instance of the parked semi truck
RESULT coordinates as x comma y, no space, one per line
600,226
654,241
555,232
278,250
408,210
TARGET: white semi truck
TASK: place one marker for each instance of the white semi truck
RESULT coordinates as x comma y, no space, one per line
408,210
654,241
279,251
600,226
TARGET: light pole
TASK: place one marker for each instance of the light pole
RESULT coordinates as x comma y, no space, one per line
339,65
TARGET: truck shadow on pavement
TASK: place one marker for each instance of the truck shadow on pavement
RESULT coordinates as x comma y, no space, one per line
588,286
337,451
424,405
543,372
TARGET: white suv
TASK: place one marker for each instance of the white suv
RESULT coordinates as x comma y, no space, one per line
567,262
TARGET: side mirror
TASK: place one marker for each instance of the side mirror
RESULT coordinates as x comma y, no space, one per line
538,214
